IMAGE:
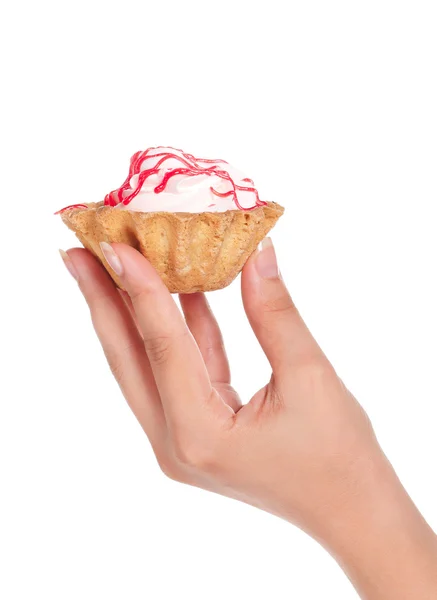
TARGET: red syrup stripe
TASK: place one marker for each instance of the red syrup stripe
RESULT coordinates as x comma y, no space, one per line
190,166
71,207
144,175
193,168
185,154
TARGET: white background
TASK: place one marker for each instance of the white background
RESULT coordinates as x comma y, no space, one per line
331,108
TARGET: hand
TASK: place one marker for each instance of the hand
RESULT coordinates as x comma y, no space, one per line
302,448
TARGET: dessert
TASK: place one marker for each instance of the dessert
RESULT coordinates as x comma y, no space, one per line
196,220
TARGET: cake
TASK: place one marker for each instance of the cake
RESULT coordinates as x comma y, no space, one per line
196,220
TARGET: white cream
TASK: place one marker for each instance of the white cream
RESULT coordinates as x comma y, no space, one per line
186,193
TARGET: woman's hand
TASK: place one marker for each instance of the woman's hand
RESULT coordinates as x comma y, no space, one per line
302,448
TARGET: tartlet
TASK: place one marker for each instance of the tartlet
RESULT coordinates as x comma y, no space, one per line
196,220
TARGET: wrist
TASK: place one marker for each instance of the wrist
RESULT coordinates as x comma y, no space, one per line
382,541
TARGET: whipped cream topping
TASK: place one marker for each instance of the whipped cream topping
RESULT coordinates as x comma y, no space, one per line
170,180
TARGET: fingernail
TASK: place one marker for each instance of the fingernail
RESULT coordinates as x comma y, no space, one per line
265,260
111,258
69,264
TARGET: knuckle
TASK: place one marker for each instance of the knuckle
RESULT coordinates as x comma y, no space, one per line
194,455
169,468
98,303
116,362
158,349
279,304
317,374
319,369
119,358
140,295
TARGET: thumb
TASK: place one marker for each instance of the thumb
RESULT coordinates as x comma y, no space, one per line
272,314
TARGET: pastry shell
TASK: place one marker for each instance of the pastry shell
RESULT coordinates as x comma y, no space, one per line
192,252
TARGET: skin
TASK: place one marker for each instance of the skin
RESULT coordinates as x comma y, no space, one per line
302,448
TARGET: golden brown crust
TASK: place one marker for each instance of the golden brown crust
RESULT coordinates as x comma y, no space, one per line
192,252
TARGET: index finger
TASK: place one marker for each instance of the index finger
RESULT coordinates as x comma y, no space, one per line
179,371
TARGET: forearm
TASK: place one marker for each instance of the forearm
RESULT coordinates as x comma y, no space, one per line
383,543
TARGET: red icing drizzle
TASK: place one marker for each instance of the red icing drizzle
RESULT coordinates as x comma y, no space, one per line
190,166
71,207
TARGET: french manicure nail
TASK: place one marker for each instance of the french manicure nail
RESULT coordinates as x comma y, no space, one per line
265,260
111,258
69,264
